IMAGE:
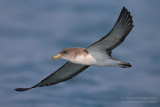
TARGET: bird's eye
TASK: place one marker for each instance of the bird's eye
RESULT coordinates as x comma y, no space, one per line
64,52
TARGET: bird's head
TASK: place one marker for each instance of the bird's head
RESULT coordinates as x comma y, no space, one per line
68,53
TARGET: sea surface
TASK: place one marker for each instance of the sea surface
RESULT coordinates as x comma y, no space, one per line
31,31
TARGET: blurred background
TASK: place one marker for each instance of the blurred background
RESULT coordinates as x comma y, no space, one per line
31,31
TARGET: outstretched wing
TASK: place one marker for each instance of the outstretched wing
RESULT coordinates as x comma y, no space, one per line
117,35
67,71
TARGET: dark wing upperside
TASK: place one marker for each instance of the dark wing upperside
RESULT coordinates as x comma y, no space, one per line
117,35
67,71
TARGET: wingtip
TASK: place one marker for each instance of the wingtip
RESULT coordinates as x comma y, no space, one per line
22,89
124,8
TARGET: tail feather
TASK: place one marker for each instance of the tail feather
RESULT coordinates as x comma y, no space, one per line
125,65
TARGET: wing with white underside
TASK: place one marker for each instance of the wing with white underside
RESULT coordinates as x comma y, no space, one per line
67,71
117,35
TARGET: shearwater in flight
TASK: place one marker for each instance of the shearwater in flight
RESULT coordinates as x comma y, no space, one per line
99,54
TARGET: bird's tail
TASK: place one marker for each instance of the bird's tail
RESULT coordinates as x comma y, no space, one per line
125,65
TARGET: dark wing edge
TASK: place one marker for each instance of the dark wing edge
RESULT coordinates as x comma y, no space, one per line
66,72
126,22
118,33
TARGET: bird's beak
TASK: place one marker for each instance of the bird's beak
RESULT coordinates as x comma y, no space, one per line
56,57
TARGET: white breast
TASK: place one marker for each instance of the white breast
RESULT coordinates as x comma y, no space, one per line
85,60
98,59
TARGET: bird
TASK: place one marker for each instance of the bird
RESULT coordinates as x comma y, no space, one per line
97,54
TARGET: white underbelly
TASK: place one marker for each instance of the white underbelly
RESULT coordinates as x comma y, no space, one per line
85,60
96,60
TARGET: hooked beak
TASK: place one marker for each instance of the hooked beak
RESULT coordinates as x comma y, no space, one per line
56,57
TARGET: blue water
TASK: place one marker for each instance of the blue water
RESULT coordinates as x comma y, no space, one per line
31,31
